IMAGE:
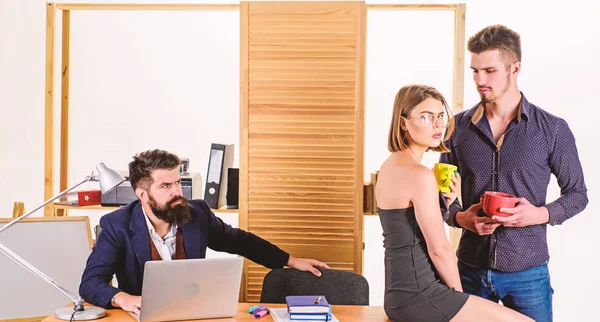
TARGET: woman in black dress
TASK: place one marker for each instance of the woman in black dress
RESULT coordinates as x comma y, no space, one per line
421,274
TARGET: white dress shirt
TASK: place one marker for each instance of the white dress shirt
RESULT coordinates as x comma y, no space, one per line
166,245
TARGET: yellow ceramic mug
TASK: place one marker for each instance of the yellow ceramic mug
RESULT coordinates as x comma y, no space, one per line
443,174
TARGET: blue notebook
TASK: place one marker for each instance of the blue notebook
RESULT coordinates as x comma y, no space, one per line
281,315
311,316
307,304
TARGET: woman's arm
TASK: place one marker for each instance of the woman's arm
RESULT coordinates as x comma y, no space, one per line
429,217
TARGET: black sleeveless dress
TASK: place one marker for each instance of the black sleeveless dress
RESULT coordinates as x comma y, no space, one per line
413,289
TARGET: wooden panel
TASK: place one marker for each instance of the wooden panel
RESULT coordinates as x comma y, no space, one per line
411,6
244,112
49,108
458,74
458,85
146,6
359,95
304,115
64,105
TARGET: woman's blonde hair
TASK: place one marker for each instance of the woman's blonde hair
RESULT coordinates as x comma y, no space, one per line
407,98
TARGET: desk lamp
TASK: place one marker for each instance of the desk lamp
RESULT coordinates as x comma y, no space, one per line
109,179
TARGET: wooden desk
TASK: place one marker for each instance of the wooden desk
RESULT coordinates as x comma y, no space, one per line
342,312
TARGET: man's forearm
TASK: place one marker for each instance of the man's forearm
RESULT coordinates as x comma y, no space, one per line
566,206
262,251
454,209
96,291
113,302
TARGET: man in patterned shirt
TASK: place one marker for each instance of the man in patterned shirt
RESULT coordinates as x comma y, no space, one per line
507,144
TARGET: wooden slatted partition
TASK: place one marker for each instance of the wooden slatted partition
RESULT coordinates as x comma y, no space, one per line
302,79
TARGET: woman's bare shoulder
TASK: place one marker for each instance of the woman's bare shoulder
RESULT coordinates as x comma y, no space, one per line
423,172
425,180
400,181
398,168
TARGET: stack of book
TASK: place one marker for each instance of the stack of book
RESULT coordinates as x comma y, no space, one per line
308,308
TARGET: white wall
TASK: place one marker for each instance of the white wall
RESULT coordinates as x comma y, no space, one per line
138,81
397,57
182,94
558,74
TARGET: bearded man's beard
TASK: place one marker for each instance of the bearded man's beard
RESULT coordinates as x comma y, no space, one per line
172,214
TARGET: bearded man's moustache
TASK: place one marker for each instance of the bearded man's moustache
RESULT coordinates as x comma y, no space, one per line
180,198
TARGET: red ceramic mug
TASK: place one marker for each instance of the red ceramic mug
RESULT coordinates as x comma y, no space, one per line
493,201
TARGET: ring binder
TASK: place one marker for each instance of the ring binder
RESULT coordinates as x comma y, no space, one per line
221,159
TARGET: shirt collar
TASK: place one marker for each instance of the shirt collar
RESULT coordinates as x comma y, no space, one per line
151,228
524,110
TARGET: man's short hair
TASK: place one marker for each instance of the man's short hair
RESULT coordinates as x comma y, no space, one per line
496,37
140,169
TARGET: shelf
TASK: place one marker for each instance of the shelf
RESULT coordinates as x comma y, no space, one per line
222,209
100,207
94,207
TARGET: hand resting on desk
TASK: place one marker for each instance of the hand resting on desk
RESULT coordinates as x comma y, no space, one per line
127,302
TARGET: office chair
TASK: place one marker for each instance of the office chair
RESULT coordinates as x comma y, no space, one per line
338,286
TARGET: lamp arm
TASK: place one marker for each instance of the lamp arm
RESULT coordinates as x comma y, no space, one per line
5,227
107,181
77,300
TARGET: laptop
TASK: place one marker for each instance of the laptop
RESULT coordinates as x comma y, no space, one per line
190,289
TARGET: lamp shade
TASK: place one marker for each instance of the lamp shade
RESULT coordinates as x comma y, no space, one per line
108,178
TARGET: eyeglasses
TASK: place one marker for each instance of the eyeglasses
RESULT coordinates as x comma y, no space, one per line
429,120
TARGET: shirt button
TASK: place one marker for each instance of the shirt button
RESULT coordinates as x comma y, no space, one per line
495,172
494,240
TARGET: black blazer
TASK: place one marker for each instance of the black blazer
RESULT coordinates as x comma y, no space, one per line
123,247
